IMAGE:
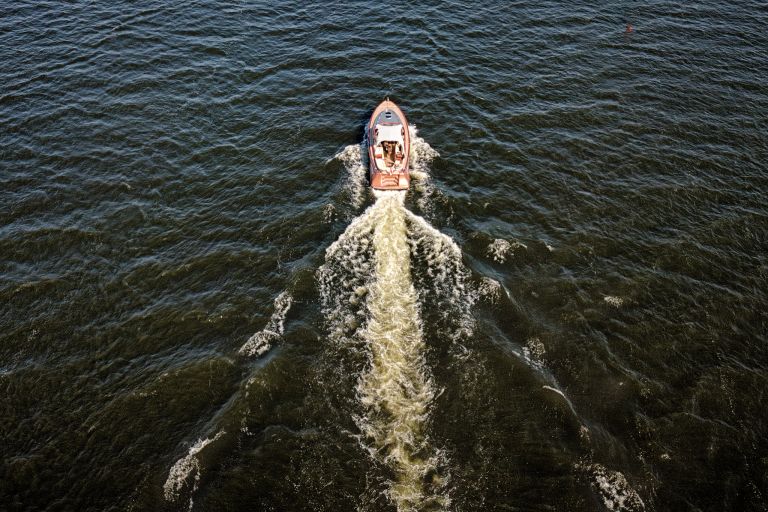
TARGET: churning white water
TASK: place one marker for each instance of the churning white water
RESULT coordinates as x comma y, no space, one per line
372,304
373,307
397,389
368,293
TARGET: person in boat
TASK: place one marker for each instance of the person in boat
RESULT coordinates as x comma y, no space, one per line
389,152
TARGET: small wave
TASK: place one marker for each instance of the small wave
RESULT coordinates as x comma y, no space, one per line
490,289
614,489
421,156
263,340
500,249
352,158
555,390
533,352
559,392
184,468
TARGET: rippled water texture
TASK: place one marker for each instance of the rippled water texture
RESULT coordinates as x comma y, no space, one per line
204,307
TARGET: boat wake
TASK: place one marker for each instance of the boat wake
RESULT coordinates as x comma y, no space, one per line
373,309
393,288
372,304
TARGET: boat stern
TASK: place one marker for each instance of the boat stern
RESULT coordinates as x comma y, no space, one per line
394,181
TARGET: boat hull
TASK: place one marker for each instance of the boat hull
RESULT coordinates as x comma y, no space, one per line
389,146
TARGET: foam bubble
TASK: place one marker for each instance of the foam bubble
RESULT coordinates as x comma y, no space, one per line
490,289
500,249
263,340
614,489
328,211
614,301
533,352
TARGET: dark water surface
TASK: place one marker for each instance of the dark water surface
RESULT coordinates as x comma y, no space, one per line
173,173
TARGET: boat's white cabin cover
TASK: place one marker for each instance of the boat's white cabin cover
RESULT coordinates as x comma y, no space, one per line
391,132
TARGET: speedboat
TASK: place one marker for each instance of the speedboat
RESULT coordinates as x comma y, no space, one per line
389,145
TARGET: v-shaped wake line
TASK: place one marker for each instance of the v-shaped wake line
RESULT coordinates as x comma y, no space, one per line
373,307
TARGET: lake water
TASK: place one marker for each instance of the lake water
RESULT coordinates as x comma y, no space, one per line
205,307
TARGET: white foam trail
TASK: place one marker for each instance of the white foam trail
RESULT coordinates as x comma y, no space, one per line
185,467
262,341
368,296
352,158
397,389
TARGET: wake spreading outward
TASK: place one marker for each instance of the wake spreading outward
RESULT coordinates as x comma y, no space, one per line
384,275
373,304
